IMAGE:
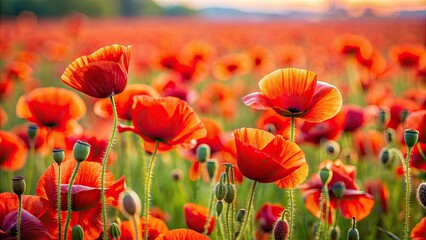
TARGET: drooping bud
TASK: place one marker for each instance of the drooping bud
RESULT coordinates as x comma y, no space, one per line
176,175
219,207
353,233
58,155
421,194
77,233
81,151
240,215
385,156
326,175
114,231
410,137
231,193
335,233
338,189
211,168
32,131
220,191
203,152
332,148
281,230
18,185
129,203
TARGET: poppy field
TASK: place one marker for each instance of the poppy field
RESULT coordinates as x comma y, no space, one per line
194,128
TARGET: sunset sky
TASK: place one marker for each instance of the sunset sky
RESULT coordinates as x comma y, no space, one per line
309,5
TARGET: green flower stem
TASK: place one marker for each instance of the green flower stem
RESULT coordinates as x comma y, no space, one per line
231,169
228,224
421,151
327,204
290,191
148,188
104,161
210,212
136,226
317,233
59,203
337,213
407,195
198,185
127,160
143,168
19,216
69,200
292,129
249,204
31,165
221,231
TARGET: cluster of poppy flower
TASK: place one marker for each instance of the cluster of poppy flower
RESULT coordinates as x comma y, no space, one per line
297,109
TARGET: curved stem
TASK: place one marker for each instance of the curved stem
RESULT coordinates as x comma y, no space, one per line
337,213
31,165
69,199
19,215
206,227
104,161
59,203
421,151
249,203
148,188
407,194
136,226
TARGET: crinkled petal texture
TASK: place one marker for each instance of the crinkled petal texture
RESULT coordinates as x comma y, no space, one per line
266,158
13,152
31,227
168,120
156,227
196,217
296,92
182,234
52,107
101,74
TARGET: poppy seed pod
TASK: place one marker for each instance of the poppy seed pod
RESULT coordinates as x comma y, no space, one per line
281,230
410,137
220,191
114,231
231,193
353,233
421,194
326,175
58,155
271,128
332,148
335,233
383,117
32,131
390,135
219,207
385,156
18,185
129,203
77,233
211,168
338,189
240,215
203,153
81,151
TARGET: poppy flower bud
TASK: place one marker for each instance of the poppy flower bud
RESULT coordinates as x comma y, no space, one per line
390,135
58,155
338,189
325,175
281,230
383,117
114,231
223,178
220,191
421,194
129,203
18,185
219,207
176,175
230,193
410,137
403,115
77,233
81,151
240,215
32,131
335,233
211,168
203,152
353,233
332,148
385,156
271,128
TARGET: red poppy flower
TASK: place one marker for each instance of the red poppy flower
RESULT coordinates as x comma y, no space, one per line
37,220
218,99
290,55
274,123
231,65
351,44
262,59
168,120
417,161
369,142
266,158
98,146
354,203
380,191
417,120
228,154
408,55
101,74
354,117
182,234
55,108
267,215
124,101
19,70
198,51
296,92
396,108
3,117
155,227
86,204
327,130
13,153
39,144
196,218
172,84
419,231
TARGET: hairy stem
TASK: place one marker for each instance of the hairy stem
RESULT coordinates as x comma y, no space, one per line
69,200
59,203
249,203
407,195
19,216
148,188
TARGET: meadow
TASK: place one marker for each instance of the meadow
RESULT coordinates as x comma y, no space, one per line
376,65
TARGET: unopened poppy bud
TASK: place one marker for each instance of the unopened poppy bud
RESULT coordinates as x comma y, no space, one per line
410,137
332,148
81,151
353,233
383,117
385,156
219,207
223,178
32,131
326,175
176,175
403,115
281,230
271,128
58,155
335,233
203,152
220,191
18,185
390,135
240,215
338,189
421,194
129,203
211,168
230,193
77,233
114,231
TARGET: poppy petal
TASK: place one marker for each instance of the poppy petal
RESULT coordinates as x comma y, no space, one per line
257,100
355,203
326,103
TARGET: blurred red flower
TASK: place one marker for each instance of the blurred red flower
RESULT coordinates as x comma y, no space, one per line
182,234
101,74
321,131
274,123
155,227
196,218
267,215
13,153
407,55
417,120
419,231
380,191
231,65
295,92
